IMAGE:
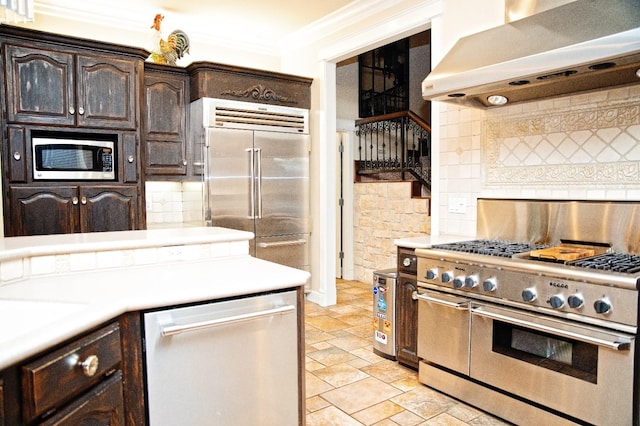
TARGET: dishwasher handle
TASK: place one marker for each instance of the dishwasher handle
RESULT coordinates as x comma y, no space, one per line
171,330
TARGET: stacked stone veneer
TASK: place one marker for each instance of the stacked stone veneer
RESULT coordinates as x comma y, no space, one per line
384,212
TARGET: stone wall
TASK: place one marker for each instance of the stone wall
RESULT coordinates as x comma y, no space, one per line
384,212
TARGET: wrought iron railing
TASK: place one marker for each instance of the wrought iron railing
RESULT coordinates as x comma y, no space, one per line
397,143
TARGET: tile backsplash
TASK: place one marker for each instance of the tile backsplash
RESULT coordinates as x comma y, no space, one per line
173,202
585,146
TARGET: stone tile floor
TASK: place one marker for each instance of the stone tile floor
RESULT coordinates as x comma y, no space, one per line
347,384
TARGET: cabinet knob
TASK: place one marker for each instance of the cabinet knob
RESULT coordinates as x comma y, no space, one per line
17,156
90,365
72,110
130,159
74,201
81,111
84,200
414,295
184,162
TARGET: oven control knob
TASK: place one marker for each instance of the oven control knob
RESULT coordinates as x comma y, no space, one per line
575,301
490,284
458,282
602,306
529,294
557,301
447,277
471,281
432,274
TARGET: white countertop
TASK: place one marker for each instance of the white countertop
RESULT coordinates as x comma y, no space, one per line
41,245
426,241
42,311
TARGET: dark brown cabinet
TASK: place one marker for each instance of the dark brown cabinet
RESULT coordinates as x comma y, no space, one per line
407,309
68,209
2,415
166,104
45,86
57,86
79,383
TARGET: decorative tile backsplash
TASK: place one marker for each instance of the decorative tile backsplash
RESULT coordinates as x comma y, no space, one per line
587,145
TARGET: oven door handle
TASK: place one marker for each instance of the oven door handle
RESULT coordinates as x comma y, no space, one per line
614,342
463,305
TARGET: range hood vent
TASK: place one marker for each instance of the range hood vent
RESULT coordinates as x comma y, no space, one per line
246,115
580,46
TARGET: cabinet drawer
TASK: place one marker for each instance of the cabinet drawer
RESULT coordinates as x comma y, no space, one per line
54,378
102,405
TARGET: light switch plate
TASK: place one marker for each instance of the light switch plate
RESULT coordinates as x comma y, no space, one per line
457,205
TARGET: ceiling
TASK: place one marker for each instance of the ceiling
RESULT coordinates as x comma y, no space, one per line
266,21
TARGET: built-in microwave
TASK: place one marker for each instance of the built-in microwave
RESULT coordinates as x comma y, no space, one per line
57,158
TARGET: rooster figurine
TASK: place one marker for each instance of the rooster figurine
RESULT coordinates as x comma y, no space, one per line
169,51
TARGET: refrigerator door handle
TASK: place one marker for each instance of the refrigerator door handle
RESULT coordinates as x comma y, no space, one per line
299,242
259,181
252,184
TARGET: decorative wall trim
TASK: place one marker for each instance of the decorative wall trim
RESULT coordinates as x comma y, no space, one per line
259,92
581,146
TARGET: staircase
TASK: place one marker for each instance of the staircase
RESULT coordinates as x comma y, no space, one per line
394,146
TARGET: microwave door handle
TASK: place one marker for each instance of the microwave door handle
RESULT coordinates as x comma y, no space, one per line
613,343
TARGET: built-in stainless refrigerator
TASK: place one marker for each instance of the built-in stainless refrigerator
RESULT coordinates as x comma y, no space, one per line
257,176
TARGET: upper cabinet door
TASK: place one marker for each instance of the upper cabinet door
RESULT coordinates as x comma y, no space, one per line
106,93
165,123
40,86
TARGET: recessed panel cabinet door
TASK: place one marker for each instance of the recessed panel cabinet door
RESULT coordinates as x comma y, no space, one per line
106,93
108,208
42,210
40,86
165,124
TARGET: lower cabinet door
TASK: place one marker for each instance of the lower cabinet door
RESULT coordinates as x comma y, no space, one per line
102,405
407,321
108,208
42,210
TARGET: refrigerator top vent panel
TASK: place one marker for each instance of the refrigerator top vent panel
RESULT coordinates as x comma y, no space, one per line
247,115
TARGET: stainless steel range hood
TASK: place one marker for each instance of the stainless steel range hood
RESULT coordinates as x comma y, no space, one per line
580,46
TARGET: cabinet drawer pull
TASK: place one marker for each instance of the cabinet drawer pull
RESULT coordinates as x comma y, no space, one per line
84,200
81,111
130,159
74,201
17,156
90,365
72,110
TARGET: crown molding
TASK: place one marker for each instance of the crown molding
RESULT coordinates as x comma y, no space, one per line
351,30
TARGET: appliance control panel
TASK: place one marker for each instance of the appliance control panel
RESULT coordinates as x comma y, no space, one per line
536,291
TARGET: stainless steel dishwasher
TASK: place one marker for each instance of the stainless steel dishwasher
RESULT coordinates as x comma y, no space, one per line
233,362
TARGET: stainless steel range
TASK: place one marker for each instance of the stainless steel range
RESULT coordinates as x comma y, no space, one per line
536,320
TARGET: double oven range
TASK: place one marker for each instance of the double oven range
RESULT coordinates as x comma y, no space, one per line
536,320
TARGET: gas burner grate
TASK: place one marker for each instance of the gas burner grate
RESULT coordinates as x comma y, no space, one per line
490,247
615,262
